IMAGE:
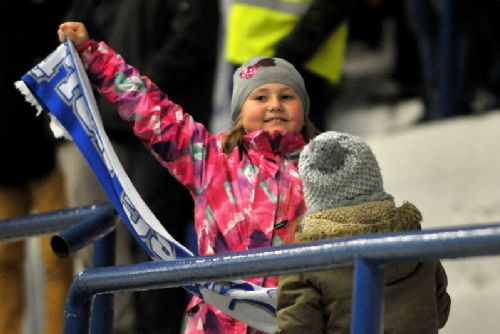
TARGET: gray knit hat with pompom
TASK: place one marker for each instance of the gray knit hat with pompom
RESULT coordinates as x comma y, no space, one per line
338,169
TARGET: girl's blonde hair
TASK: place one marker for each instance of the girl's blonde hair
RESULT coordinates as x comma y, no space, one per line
234,137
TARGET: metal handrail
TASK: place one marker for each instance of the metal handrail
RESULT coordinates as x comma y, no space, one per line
92,228
46,223
77,227
372,251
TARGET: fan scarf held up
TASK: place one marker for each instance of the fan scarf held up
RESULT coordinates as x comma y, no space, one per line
59,86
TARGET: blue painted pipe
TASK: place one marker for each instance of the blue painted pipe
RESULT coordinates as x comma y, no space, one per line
92,228
103,255
98,228
368,297
46,223
455,242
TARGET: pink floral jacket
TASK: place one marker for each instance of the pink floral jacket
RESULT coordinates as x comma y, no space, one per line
243,200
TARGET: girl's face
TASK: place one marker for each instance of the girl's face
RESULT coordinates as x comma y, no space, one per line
273,106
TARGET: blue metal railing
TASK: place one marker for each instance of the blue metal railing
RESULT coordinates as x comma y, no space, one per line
368,254
97,229
95,226
77,227
49,222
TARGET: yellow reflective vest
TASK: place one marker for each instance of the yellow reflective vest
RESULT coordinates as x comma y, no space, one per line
255,26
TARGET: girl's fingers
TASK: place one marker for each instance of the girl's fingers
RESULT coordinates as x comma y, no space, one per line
71,25
63,34
75,31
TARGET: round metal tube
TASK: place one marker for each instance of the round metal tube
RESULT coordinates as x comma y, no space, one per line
368,298
382,248
45,223
103,255
94,227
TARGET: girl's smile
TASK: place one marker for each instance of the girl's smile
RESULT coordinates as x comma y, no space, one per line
275,119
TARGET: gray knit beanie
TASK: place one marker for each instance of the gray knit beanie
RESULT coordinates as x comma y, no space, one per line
338,169
261,70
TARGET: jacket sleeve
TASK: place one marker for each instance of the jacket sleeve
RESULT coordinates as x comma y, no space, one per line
443,298
185,147
313,28
299,308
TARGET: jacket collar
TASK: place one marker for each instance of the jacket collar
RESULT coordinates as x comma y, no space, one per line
281,143
371,217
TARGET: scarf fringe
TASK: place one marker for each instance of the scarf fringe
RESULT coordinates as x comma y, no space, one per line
55,126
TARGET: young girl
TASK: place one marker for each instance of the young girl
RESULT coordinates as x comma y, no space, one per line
244,183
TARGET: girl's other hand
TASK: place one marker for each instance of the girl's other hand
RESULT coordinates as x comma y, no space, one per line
74,31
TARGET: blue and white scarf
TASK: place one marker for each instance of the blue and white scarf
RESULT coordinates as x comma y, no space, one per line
60,86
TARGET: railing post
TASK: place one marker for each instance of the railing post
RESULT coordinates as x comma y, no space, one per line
369,254
77,310
99,229
104,254
368,297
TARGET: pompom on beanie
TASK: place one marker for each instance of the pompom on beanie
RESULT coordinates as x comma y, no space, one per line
261,70
338,169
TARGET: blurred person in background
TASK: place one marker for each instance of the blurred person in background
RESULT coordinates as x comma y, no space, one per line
426,20
30,179
309,34
368,27
175,43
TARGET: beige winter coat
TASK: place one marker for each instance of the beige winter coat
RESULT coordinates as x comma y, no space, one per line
415,294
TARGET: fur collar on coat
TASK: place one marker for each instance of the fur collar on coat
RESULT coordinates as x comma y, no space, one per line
372,217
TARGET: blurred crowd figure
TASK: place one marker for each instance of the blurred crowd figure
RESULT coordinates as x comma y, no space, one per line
418,39
174,42
367,26
30,179
470,23
311,35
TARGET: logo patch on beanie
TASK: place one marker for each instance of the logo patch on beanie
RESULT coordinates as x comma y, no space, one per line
250,71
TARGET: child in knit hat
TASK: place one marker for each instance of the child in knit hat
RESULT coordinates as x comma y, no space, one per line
344,194
245,183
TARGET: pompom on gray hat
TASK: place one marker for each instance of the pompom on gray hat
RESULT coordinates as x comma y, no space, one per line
261,70
338,169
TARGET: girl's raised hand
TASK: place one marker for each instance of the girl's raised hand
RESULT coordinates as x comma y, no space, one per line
74,31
